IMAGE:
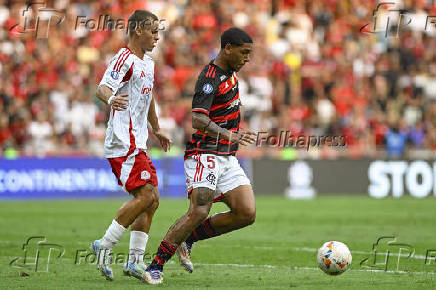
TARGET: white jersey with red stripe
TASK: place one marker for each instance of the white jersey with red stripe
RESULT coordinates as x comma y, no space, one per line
127,130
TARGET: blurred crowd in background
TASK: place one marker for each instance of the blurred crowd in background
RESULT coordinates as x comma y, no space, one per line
312,72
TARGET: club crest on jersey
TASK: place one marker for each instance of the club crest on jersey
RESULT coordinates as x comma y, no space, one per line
207,88
145,175
114,74
211,178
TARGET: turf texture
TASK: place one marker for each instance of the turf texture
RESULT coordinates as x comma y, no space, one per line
277,252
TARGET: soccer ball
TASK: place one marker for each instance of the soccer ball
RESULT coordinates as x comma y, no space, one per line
334,258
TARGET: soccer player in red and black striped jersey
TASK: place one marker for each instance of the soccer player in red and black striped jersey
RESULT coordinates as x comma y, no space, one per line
212,171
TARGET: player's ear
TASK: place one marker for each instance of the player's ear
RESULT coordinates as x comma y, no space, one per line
138,30
228,49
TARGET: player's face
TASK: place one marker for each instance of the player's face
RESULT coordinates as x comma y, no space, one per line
150,36
240,55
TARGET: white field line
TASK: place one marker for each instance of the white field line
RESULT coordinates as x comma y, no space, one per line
310,268
417,257
304,249
265,266
314,250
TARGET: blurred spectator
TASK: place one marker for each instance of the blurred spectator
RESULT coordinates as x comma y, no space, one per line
41,133
395,142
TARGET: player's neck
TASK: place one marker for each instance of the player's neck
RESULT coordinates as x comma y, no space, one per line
136,49
221,63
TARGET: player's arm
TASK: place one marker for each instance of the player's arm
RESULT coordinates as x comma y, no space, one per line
203,123
111,82
165,142
104,93
205,91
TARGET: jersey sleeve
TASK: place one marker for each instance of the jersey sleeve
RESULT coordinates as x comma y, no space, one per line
118,70
205,91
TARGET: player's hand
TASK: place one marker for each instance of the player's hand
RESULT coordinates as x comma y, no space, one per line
244,137
120,102
164,141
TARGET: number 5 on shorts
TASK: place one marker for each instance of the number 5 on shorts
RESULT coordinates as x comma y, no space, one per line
210,161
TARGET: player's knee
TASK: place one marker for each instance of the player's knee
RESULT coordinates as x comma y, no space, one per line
247,217
146,196
199,213
155,204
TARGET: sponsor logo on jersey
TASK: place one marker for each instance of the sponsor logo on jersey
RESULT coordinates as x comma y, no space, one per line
146,90
142,74
115,74
223,77
207,88
145,175
234,103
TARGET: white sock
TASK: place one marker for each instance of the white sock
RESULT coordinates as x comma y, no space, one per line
138,242
113,235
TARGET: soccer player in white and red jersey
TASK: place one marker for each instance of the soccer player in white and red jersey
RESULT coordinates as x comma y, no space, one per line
127,87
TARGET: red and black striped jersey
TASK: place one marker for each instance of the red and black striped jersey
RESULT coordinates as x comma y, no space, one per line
216,95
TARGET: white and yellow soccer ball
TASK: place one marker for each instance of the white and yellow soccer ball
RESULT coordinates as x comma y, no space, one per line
334,258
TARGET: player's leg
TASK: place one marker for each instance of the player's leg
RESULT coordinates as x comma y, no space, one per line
239,197
142,225
142,199
140,228
242,213
143,172
138,240
200,203
137,175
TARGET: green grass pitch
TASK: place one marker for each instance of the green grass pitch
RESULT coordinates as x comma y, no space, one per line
277,252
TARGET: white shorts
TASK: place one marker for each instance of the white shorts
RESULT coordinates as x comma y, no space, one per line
218,173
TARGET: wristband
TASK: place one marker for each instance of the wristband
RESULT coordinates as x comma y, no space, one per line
110,99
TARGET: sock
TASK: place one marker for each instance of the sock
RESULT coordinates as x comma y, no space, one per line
164,253
112,235
138,242
202,232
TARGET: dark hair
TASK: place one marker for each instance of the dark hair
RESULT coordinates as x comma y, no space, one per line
140,18
235,36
